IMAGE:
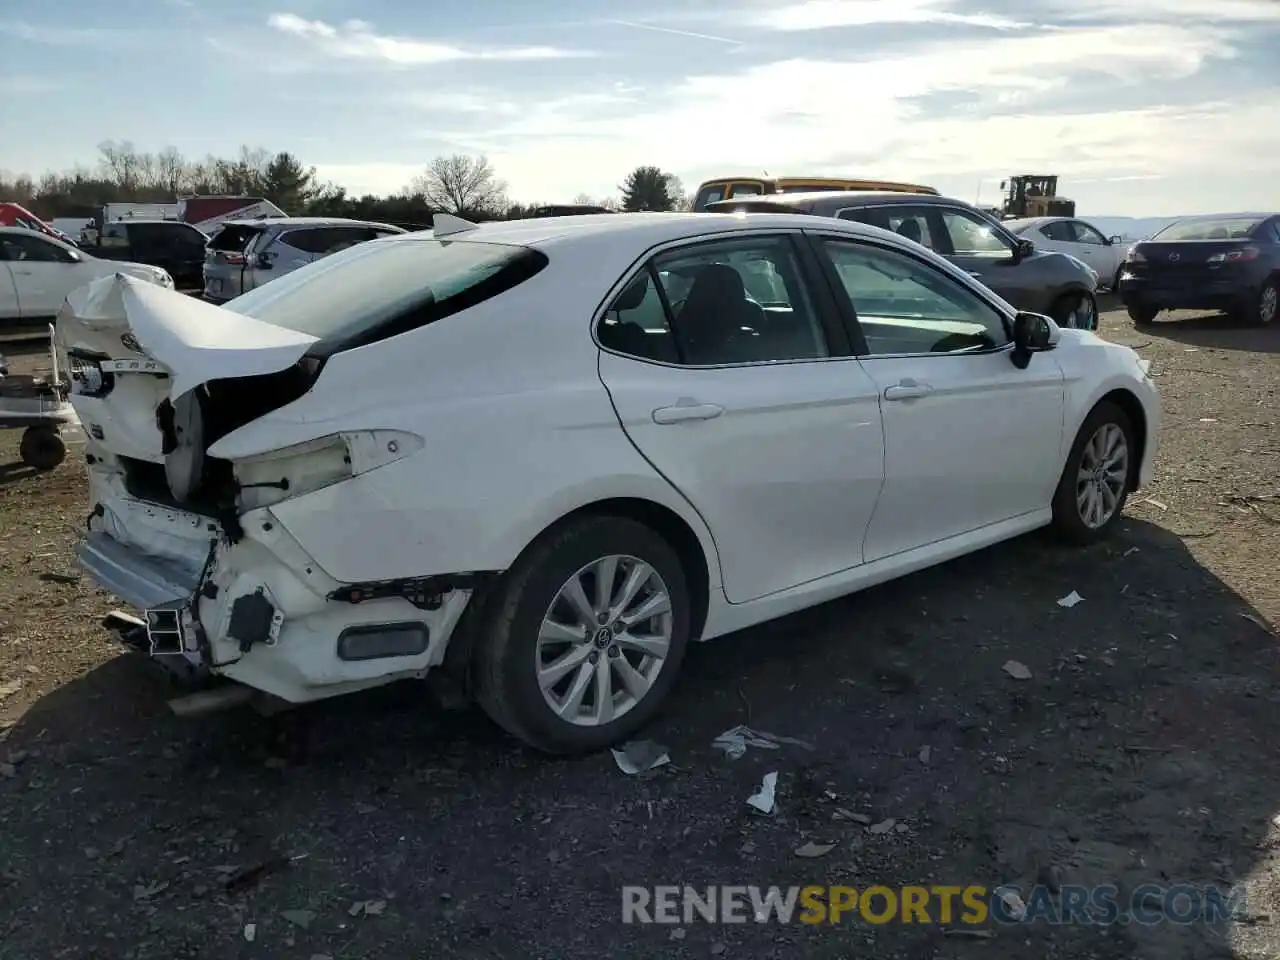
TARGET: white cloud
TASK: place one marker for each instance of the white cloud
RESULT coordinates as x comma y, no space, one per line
1166,11
356,40
824,14
866,118
59,36
25,85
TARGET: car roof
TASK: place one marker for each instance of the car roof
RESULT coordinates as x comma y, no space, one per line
150,221
866,196
637,231
306,222
1246,215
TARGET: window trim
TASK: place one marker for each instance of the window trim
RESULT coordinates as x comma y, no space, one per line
850,314
827,311
1083,229
64,254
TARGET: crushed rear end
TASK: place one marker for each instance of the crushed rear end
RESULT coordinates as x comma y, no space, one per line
190,539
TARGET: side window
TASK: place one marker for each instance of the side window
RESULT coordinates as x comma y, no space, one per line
1059,230
1086,234
32,249
726,302
747,190
1275,230
973,237
312,240
909,222
711,193
907,307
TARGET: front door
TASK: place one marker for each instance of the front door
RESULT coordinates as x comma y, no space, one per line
729,373
970,440
987,253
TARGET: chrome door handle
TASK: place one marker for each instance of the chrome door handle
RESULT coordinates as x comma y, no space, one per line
682,412
907,391
23,273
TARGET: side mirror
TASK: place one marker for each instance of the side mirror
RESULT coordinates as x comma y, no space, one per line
1032,333
1024,249
1114,240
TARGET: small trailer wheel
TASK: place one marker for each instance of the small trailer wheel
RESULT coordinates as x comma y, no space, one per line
42,448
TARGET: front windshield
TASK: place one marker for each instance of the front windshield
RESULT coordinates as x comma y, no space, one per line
403,282
1218,228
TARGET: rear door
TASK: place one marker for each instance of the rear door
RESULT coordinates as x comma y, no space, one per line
224,259
730,373
43,272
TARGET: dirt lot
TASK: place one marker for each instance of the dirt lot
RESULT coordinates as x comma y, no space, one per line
1142,749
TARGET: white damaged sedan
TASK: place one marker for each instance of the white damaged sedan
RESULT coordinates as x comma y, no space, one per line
538,458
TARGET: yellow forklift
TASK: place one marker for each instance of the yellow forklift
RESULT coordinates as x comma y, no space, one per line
1034,195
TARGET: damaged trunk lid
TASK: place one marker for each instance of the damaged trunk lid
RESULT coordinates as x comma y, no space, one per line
159,376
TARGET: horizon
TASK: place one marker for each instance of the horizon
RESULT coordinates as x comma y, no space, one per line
1149,108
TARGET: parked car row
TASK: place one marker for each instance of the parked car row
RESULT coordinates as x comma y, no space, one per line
723,419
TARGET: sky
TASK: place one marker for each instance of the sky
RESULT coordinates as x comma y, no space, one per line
1141,107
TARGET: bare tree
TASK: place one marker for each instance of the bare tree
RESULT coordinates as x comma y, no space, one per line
171,170
121,164
461,185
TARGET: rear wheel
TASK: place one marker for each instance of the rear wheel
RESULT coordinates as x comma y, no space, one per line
42,448
1268,305
1076,310
1141,314
585,636
1095,481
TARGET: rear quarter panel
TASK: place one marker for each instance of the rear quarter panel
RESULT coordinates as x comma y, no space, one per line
518,432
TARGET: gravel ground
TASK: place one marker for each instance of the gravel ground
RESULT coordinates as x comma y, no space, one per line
1141,749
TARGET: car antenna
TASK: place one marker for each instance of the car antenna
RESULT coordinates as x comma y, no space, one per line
446,225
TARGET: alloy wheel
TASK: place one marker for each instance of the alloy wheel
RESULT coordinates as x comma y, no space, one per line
1102,475
604,640
1269,304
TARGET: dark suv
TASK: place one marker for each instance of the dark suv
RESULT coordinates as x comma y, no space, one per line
1033,280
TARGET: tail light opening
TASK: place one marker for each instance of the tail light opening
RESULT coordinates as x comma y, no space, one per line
1243,255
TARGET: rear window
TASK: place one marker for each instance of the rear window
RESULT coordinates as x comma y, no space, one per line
1233,228
233,237
711,193
377,290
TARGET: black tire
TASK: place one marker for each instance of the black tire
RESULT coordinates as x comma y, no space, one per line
1115,281
1265,312
505,652
1067,522
42,448
1141,314
1066,305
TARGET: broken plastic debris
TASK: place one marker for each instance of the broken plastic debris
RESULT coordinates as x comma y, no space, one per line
843,814
925,754
1155,503
1208,420
1019,671
812,849
369,908
299,918
1070,600
640,756
250,931
1012,901
765,798
1130,550
143,892
734,742
884,826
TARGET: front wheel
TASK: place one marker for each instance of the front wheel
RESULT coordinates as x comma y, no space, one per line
1095,481
1268,305
585,636
1076,310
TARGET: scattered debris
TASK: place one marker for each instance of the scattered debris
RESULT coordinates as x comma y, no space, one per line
8,771
717,949
368,908
1154,502
734,742
925,753
1012,901
1208,420
250,931
1017,670
299,918
964,932
1260,622
1070,600
640,756
812,850
10,688
1130,550
144,892
843,814
884,826
59,578
677,934
765,799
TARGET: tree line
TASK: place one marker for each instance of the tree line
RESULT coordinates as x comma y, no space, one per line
460,184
